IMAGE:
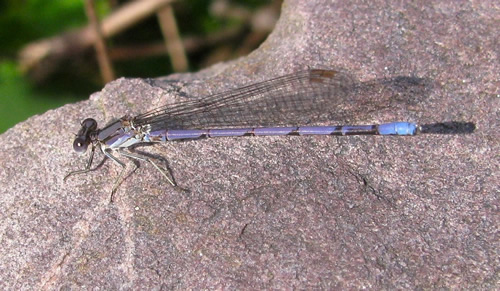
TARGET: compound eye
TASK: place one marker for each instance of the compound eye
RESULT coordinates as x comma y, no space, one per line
89,124
80,145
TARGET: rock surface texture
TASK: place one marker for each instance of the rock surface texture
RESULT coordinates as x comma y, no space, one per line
313,212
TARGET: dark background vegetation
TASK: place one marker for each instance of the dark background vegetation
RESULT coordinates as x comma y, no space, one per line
23,22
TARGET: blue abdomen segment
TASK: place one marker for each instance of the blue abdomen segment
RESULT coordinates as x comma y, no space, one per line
398,128
393,128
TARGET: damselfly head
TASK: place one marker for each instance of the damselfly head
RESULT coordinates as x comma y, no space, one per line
83,137
81,144
89,124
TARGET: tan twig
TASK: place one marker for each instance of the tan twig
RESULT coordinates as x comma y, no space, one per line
36,55
172,38
190,44
105,65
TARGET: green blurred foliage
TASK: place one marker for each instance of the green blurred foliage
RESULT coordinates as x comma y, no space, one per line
22,22
19,100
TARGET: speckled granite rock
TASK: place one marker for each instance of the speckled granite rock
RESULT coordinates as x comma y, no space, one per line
276,213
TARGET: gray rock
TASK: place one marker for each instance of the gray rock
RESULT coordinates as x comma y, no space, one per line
278,212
